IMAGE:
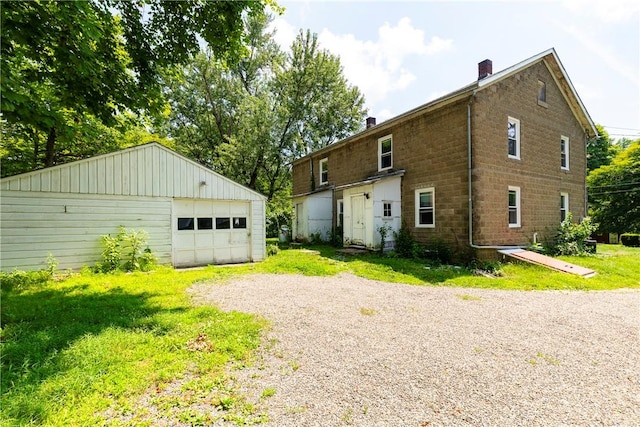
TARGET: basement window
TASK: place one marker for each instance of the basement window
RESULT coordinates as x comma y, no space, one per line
205,223
185,223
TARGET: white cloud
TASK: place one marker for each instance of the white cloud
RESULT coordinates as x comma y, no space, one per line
603,53
377,67
608,11
382,115
285,33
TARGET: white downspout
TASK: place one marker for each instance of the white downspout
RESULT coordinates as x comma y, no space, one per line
469,170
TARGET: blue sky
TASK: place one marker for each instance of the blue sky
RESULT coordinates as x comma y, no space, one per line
402,54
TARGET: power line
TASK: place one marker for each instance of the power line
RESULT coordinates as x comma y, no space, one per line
614,185
615,191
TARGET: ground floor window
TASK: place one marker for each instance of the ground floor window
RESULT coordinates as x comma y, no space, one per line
514,207
386,209
425,208
564,205
340,211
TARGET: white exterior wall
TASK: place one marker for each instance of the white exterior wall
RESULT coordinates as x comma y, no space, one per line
69,226
387,190
313,214
133,187
384,190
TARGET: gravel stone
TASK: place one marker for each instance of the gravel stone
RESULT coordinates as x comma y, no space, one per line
345,350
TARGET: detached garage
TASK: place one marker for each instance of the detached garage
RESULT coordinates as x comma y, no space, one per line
193,215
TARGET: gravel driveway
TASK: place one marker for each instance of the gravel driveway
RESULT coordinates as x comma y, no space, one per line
344,350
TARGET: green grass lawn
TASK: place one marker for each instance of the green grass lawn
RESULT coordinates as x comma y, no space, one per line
78,350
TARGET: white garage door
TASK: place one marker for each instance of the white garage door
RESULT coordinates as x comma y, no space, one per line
210,232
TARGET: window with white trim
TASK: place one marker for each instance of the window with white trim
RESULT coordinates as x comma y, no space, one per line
340,211
425,208
386,210
385,153
514,207
564,205
513,138
564,152
324,171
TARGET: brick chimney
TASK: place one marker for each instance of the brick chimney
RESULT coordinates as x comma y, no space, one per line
485,69
371,122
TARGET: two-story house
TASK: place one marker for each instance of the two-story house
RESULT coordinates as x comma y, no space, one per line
495,164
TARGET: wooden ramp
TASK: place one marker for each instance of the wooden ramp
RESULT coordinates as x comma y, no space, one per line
547,261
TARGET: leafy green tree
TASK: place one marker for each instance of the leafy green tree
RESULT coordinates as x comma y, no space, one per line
600,150
63,60
251,119
614,192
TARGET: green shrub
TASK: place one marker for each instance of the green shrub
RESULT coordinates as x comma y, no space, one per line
125,252
384,230
570,237
337,237
21,278
630,239
405,243
438,250
272,250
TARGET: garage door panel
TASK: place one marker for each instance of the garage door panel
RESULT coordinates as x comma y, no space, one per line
206,244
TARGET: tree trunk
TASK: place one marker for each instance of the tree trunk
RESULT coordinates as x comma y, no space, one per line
50,149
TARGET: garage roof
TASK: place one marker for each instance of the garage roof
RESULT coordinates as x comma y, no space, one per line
146,170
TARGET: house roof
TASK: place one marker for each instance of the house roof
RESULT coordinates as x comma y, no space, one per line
144,170
548,57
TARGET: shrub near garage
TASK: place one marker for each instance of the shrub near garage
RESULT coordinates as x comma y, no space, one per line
629,239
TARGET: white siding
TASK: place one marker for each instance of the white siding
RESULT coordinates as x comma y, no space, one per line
69,227
133,187
316,215
149,170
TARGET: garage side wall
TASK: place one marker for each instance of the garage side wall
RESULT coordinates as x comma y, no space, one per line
69,226
258,232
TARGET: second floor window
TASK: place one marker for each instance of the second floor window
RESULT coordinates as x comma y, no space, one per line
324,171
513,138
385,153
564,152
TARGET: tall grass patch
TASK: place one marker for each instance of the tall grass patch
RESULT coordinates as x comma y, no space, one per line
73,349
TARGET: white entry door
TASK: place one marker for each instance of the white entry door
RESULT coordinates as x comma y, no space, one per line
357,220
210,232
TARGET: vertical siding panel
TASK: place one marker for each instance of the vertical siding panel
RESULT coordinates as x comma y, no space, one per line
93,176
142,172
101,177
133,173
55,180
45,183
170,175
191,179
163,172
125,174
25,184
155,176
109,175
74,179
35,182
117,174
65,180
84,177
14,184
182,179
